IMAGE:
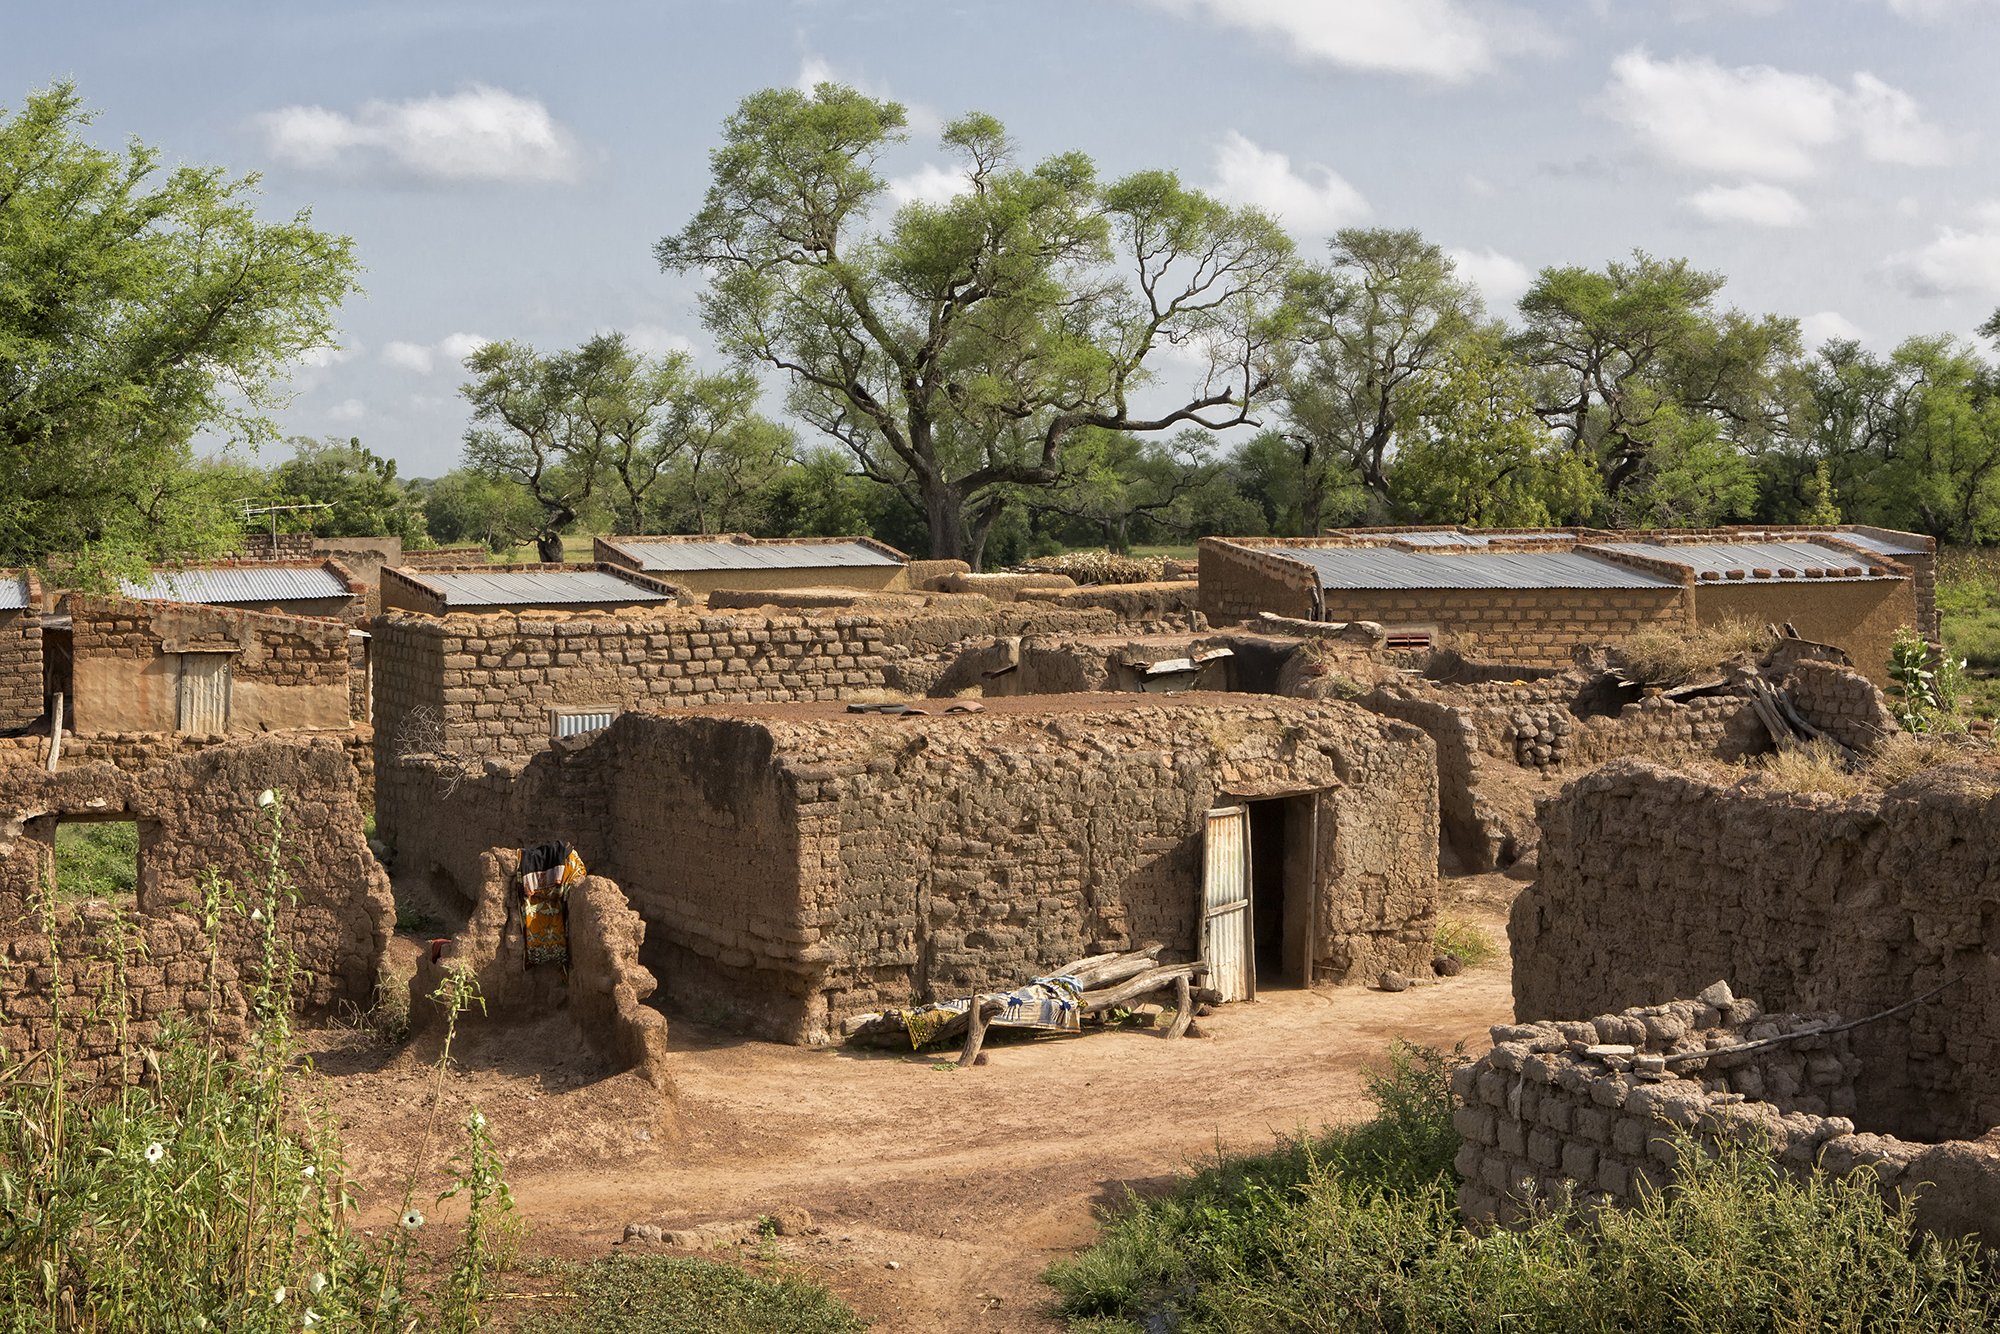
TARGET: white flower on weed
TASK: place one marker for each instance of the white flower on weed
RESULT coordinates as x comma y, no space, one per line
256,914
412,1220
309,1319
155,1151
278,1297
267,798
317,1283
476,1122
309,1171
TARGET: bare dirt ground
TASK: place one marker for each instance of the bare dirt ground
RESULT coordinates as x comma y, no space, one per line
969,1181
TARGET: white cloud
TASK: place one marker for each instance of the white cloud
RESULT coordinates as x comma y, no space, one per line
320,358
1757,121
1501,279
1756,203
1448,40
929,184
1960,262
347,410
656,340
1825,325
476,134
1310,201
421,358
1926,11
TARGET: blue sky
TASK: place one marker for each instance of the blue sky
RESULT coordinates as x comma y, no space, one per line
505,167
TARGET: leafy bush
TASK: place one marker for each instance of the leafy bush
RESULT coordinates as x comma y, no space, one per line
97,860
213,1195
1359,1231
651,1294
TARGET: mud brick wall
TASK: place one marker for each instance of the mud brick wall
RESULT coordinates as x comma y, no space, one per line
287,671
195,814
1538,627
1655,883
490,681
280,546
1860,616
1235,583
793,871
21,683
1167,606
1541,1116
1845,705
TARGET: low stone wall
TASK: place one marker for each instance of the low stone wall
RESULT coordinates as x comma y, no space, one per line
1602,1110
196,814
1653,883
1846,705
1163,607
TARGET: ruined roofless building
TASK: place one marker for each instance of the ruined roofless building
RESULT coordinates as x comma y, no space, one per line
706,564
1531,597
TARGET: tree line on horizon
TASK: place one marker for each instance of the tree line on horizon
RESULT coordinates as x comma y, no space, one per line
1045,359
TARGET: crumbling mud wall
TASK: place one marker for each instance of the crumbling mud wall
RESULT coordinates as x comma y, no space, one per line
21,677
1603,1110
1844,704
798,865
603,990
285,671
1654,883
485,685
195,814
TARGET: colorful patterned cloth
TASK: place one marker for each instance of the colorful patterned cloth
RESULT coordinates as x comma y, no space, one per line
1048,1003
547,871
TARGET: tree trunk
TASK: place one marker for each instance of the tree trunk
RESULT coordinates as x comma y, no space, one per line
549,546
944,516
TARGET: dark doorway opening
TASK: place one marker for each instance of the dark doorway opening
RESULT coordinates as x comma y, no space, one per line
1283,879
1267,887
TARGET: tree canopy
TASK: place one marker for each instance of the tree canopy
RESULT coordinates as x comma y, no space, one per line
959,349
139,307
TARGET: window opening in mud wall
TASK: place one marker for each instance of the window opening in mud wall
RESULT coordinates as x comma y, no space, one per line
98,859
205,682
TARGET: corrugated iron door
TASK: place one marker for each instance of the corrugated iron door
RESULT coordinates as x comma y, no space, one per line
204,693
1226,945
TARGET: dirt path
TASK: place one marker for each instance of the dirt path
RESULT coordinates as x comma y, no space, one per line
971,1182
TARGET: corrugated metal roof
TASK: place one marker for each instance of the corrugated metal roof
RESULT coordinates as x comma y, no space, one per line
538,588
13,592
1722,557
238,584
688,557
1386,567
1886,546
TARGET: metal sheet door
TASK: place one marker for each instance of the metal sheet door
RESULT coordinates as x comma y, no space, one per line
1226,944
204,693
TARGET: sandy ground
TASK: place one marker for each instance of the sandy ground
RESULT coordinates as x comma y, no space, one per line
969,1181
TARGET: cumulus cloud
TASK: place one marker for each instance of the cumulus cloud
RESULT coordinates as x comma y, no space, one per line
1447,40
1761,122
422,358
1962,261
929,184
656,340
1826,325
1311,200
473,135
1929,10
347,410
1501,279
1757,203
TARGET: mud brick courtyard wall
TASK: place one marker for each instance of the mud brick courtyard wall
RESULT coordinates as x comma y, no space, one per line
195,813
1655,883
1606,1110
795,866
21,682
484,685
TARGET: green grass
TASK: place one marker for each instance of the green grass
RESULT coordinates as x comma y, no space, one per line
1968,595
658,1294
97,861
1464,941
1358,1230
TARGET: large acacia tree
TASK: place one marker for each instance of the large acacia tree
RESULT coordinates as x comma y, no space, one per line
959,348
138,307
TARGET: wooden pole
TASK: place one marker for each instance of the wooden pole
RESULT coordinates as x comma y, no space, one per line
1183,1006
55,732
